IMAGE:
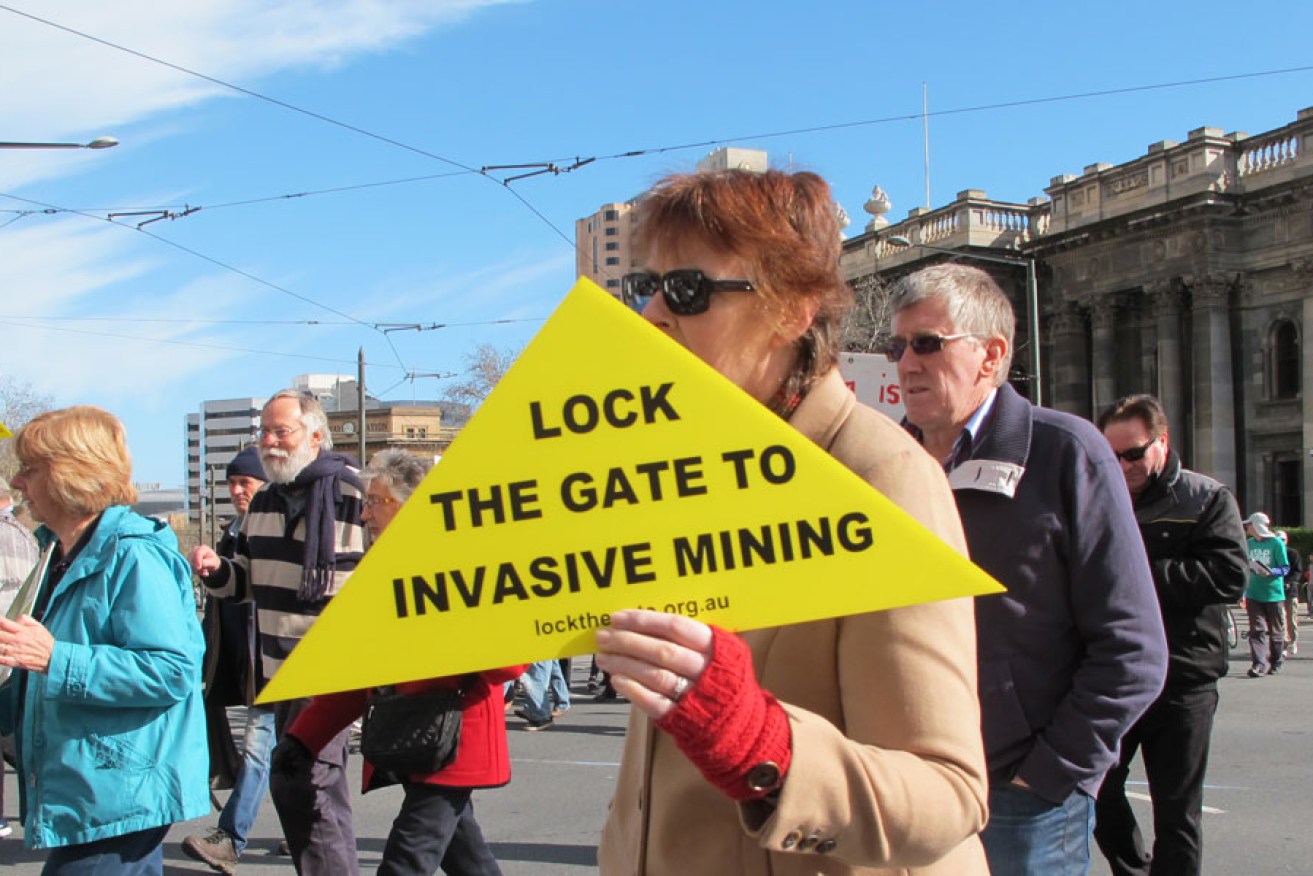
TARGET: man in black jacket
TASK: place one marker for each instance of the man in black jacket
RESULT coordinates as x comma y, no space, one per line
1196,547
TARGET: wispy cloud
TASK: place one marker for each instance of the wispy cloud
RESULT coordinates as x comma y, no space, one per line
87,88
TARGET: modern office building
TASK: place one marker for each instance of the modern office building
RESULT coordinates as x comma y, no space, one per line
223,427
602,241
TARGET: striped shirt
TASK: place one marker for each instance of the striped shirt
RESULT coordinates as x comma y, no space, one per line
267,563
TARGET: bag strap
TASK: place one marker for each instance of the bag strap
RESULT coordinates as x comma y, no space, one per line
461,689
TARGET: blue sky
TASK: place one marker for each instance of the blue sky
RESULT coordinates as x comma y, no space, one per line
492,82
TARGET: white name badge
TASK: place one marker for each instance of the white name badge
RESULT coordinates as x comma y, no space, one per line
988,475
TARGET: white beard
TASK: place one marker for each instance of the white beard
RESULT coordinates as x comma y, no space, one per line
283,466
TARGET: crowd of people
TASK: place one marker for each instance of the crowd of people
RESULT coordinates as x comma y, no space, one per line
957,737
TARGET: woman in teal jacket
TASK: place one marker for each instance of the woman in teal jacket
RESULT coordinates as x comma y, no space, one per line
106,653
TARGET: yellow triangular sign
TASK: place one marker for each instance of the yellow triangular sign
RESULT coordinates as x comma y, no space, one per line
610,469
4,431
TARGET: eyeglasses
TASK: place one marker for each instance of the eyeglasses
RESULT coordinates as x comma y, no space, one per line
279,434
687,292
922,345
1135,454
375,501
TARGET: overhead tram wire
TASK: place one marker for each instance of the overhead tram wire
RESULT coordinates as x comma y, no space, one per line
197,254
234,269
240,90
579,162
293,108
378,326
200,344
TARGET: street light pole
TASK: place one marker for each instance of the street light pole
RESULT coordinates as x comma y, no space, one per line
1032,301
98,143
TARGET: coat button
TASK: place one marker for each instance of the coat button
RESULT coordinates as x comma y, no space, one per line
824,847
809,843
791,839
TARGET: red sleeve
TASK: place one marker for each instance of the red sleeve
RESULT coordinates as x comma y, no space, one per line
726,724
326,716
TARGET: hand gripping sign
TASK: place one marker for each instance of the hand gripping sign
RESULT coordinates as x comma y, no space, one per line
613,469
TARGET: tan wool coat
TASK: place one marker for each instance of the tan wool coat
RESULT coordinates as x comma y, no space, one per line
888,771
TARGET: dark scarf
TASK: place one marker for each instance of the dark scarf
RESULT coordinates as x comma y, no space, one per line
323,478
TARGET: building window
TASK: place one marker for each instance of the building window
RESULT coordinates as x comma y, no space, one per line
612,231
613,284
612,245
1287,492
611,215
612,260
1284,353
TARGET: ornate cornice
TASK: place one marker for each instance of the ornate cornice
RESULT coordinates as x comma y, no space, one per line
1103,312
1210,290
1165,296
1070,320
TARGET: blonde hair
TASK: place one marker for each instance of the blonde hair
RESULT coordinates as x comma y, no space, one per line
85,451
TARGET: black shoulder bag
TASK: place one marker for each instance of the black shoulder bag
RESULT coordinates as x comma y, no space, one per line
409,733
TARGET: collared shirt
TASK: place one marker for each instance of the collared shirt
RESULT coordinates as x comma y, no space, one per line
967,439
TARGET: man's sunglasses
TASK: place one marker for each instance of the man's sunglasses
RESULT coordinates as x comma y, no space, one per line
687,292
922,345
1135,454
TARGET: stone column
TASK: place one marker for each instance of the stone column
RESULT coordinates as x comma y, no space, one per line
1214,390
1303,270
1068,378
1103,319
1166,298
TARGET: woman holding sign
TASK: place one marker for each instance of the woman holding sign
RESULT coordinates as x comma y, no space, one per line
435,827
845,745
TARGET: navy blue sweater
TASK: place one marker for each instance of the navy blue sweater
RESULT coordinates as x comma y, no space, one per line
1074,652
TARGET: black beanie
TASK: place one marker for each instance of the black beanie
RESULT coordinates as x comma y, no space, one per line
247,463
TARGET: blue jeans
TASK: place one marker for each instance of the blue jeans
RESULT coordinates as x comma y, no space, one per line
252,780
132,854
1029,836
543,682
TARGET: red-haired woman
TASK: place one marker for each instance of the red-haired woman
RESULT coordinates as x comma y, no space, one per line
841,746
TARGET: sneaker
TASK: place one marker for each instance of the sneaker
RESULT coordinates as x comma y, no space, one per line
5,829
1255,672
534,723
215,849
1276,667
556,713
1293,649
592,685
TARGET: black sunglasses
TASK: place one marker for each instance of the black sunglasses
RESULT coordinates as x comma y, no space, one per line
922,345
687,292
1135,454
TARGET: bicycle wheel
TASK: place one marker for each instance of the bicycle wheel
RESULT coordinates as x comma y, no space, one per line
1232,630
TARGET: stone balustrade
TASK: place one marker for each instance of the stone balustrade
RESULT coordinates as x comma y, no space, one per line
1268,153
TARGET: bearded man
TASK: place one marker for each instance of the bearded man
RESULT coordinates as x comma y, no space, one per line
301,539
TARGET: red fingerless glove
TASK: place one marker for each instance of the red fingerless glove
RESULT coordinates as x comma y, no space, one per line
726,724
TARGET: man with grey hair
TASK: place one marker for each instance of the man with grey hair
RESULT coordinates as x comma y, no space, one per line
18,554
1073,653
300,541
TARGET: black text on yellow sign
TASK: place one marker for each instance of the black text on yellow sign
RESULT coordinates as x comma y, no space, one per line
612,469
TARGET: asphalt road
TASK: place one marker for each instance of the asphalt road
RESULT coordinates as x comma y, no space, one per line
546,822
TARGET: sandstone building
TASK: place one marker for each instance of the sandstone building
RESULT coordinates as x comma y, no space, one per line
1187,272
